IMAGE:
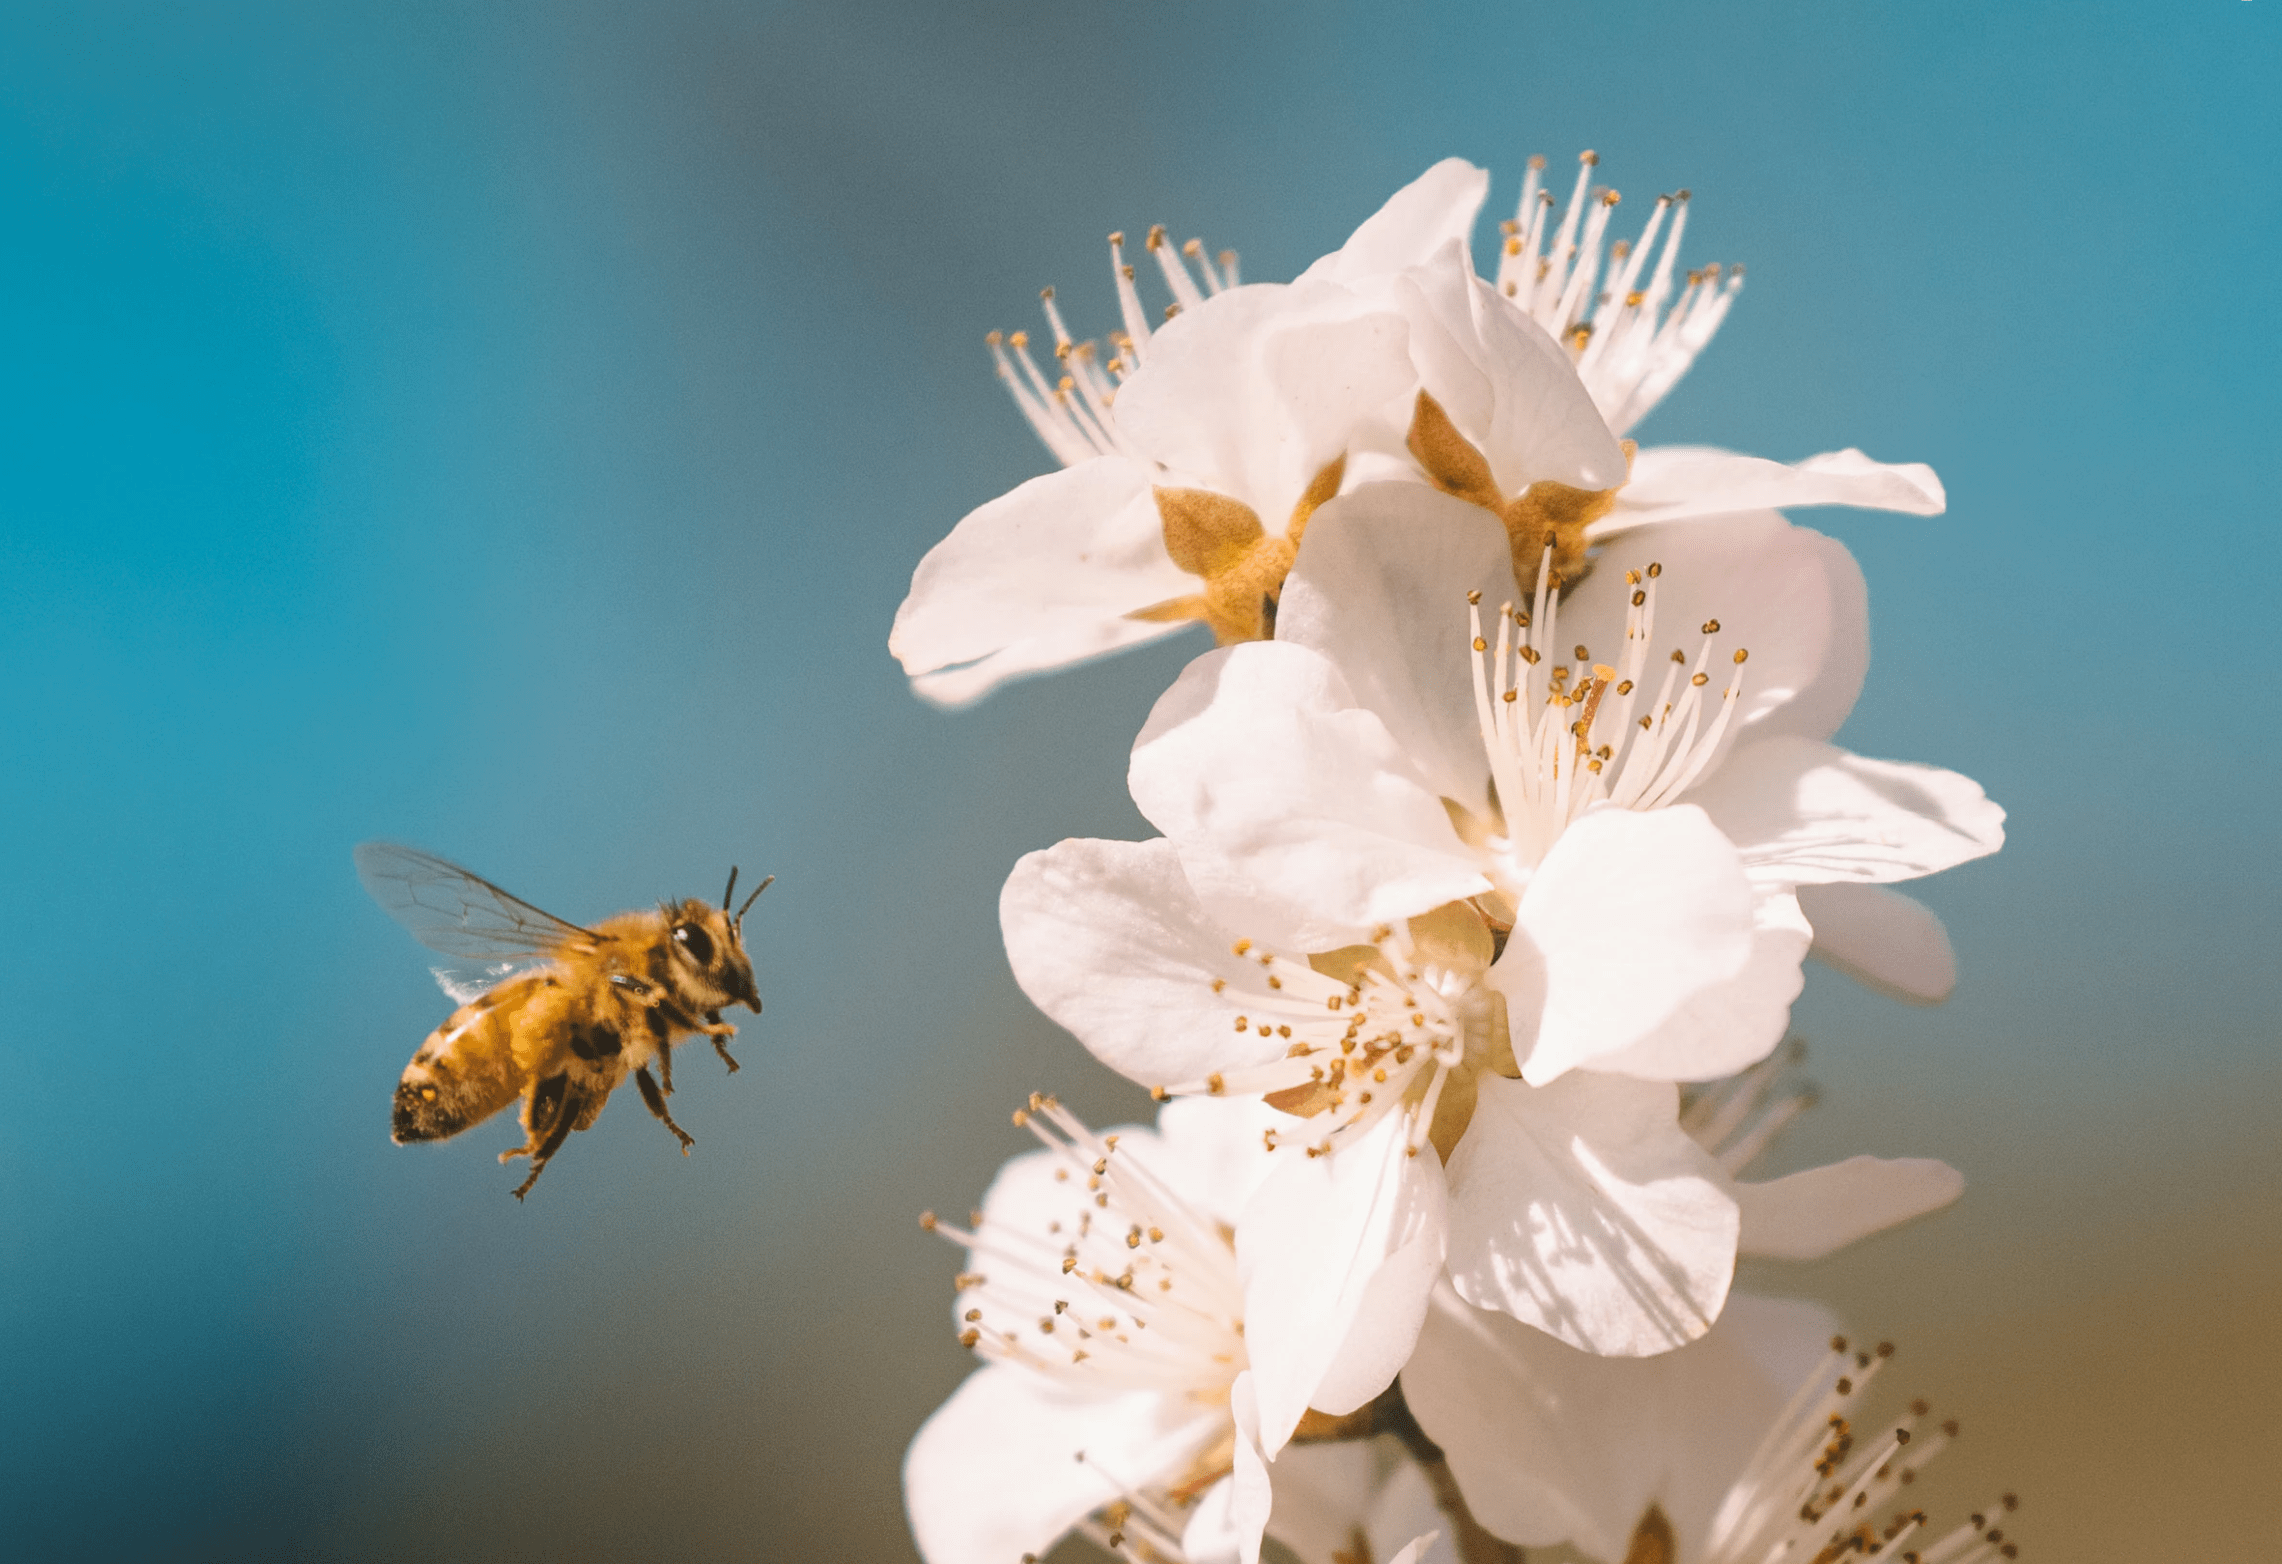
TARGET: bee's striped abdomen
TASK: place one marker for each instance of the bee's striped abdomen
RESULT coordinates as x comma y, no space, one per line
465,1071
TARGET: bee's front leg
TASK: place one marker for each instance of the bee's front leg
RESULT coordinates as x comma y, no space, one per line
720,1031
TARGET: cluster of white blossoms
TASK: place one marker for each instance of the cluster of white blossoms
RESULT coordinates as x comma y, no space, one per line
1495,833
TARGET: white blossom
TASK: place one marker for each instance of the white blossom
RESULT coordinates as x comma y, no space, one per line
1196,454
1100,1290
1751,1446
1582,1207
1633,832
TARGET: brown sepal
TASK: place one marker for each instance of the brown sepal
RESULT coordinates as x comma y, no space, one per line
1544,512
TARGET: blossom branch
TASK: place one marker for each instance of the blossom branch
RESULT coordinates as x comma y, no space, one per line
1391,1414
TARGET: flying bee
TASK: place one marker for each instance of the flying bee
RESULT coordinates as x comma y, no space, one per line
561,1014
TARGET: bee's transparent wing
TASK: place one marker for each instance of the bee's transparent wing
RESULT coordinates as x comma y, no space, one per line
464,983
462,914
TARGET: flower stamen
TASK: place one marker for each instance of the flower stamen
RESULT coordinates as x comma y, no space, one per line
1562,741
1810,1493
1632,341
1132,1288
1071,411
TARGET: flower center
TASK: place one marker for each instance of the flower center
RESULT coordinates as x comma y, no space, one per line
1115,1282
1565,737
1401,1025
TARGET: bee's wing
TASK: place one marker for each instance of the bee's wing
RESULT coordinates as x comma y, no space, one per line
462,914
464,982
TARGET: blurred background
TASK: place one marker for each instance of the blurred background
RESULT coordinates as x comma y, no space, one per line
511,428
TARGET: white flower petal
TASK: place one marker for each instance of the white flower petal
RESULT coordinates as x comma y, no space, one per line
1732,1025
1673,482
1882,939
1583,1209
1106,938
1629,917
1252,1498
1299,819
1816,1212
1214,1155
1432,210
1507,386
1257,389
1337,1254
996,1472
1324,1494
1036,579
1380,590
1790,596
1407,1521
1806,813
1552,1445
1211,1536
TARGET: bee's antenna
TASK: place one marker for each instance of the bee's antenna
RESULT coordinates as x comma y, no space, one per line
732,890
756,896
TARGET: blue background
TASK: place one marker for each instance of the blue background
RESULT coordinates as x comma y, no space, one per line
511,429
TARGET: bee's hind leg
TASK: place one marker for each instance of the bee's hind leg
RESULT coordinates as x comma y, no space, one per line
540,1111
549,1120
721,1031
656,1100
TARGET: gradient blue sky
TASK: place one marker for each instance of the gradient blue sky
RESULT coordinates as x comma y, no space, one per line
511,429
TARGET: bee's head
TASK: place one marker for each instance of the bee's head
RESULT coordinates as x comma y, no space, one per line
710,942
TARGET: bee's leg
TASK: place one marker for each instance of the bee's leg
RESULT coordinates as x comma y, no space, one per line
662,1044
720,1031
563,1114
540,1110
657,1103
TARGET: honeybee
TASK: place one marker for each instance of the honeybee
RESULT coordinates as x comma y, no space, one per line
556,1014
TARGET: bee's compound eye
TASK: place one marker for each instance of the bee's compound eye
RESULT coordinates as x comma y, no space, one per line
697,942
